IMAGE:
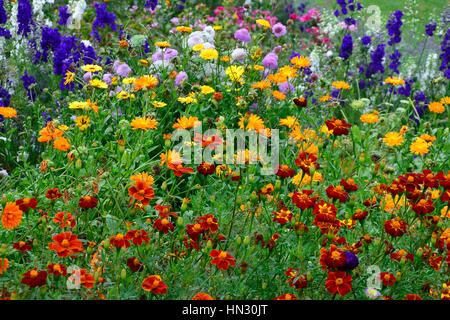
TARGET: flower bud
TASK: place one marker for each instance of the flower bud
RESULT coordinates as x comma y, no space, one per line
78,163
398,275
238,241
208,245
106,244
238,200
123,274
419,252
3,249
247,240
180,221
254,196
277,185
264,285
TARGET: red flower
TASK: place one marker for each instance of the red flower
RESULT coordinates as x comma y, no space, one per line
208,222
164,211
87,202
57,269
335,258
206,168
360,214
446,196
349,185
222,259
339,282
163,225
34,278
339,126
413,297
178,169
387,279
296,280
154,284
82,277
444,179
306,161
119,241
304,200
282,216
26,203
134,264
286,296
66,244
429,179
337,193
65,219
53,194
300,102
194,230
22,246
402,253
285,172
137,236
395,188
142,192
395,227
423,207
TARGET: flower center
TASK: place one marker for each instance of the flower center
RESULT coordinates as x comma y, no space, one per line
223,255
65,243
33,274
339,281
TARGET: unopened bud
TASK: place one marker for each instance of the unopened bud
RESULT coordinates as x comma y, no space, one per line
106,244
238,240
123,274
247,240
180,221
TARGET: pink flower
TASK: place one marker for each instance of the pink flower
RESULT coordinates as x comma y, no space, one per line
305,17
294,17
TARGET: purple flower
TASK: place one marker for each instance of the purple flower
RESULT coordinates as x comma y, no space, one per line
24,17
395,57
103,19
87,76
393,26
151,4
27,81
167,54
107,77
3,15
64,15
376,65
180,77
347,47
122,70
279,30
286,87
445,55
242,35
366,40
352,260
270,60
430,28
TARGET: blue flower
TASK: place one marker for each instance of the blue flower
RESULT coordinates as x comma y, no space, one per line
366,40
395,57
151,4
347,47
3,15
64,15
445,55
376,65
352,260
24,17
393,26
27,81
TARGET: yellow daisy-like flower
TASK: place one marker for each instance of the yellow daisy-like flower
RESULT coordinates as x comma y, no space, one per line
98,84
288,71
184,29
78,105
190,98
393,139
300,62
278,95
144,123
159,104
341,85
124,95
209,54
162,44
82,122
288,122
258,68
69,77
263,84
252,122
325,98
207,90
91,68
263,23
394,81
370,117
8,112
129,80
420,146
186,123
436,107
445,100
235,73
198,47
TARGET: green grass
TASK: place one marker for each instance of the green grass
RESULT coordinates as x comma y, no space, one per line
424,9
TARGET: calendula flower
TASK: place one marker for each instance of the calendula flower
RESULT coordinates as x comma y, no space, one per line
97,83
394,81
162,44
186,123
420,146
124,95
184,29
393,139
436,107
159,104
144,123
69,77
198,47
145,82
325,98
91,68
263,84
341,85
12,216
209,54
278,95
369,118
289,122
82,122
61,144
128,80
235,73
207,90
300,62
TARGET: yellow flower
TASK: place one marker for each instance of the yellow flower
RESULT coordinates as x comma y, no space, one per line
207,90
8,112
445,100
78,105
251,122
217,28
420,146
69,77
144,123
186,123
258,68
341,85
209,54
82,122
288,122
98,84
394,81
288,71
325,98
235,73
159,104
190,98
225,59
184,29
162,44
198,47
393,139
129,80
264,23
300,62
91,68
124,95
436,107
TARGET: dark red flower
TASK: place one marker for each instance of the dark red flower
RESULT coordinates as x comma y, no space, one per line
137,236
222,259
423,207
304,200
208,222
360,214
26,203
134,264
337,193
387,278
306,161
57,269
163,225
87,202
206,168
34,278
119,241
395,227
285,172
53,194
339,282
349,185
339,126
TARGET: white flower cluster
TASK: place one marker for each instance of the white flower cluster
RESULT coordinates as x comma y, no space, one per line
38,11
76,8
205,37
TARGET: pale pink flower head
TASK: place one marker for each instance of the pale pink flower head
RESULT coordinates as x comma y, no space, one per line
279,30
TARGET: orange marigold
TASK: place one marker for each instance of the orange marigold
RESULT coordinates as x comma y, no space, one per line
12,216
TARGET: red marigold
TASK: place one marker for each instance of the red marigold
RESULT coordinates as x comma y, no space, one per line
282,216
163,225
304,200
154,284
339,282
296,280
360,214
206,168
178,169
142,192
337,193
423,207
413,297
339,126
349,185
444,179
65,219
22,246
202,296
53,194
26,203
335,258
66,244
34,278
137,236
286,296
395,227
208,222
119,241
306,161
87,202
164,211
194,231
387,278
285,172
11,216
222,259
57,269
134,264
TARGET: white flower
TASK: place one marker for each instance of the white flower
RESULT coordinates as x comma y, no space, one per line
239,54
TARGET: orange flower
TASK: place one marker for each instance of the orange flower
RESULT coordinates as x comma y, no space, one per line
61,144
66,244
137,236
3,265
12,216
145,82
142,192
8,112
387,278
222,259
286,296
339,282
49,133
65,219
154,284
186,123
57,269
202,296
